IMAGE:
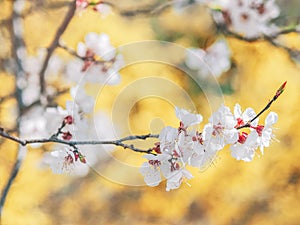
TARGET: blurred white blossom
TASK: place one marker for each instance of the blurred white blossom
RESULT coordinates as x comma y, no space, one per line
100,62
215,60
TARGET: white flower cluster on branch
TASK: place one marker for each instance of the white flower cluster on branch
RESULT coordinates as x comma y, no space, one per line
96,60
181,147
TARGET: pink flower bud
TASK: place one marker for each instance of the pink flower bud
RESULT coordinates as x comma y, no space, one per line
68,120
67,135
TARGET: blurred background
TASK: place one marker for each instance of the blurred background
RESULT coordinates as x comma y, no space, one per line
264,191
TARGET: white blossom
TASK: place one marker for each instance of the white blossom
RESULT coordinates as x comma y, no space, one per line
103,9
64,161
213,61
187,118
33,125
174,179
251,18
175,151
102,63
220,129
243,117
267,132
84,102
245,151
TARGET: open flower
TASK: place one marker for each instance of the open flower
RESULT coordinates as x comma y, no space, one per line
174,151
266,133
245,151
66,161
100,62
221,129
248,17
60,161
243,117
215,60
187,118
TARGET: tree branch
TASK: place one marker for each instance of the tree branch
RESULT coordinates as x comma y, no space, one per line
54,43
12,177
19,54
54,139
277,94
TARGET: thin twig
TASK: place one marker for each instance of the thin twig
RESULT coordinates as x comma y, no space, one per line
262,37
54,43
277,94
54,139
149,10
84,58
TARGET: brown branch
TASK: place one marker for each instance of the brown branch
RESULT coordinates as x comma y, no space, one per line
149,10
277,94
54,139
263,37
17,44
6,97
54,43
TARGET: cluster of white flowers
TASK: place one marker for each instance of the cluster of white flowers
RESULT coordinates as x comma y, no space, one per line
76,125
97,61
251,18
215,60
32,66
100,62
178,148
181,147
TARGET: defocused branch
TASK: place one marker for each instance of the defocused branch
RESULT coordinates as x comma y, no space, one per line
225,30
85,58
37,5
7,97
54,43
19,54
13,175
272,38
54,139
149,10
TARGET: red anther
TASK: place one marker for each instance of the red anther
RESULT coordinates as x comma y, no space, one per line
175,154
76,155
68,159
259,129
157,148
154,162
240,122
242,137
